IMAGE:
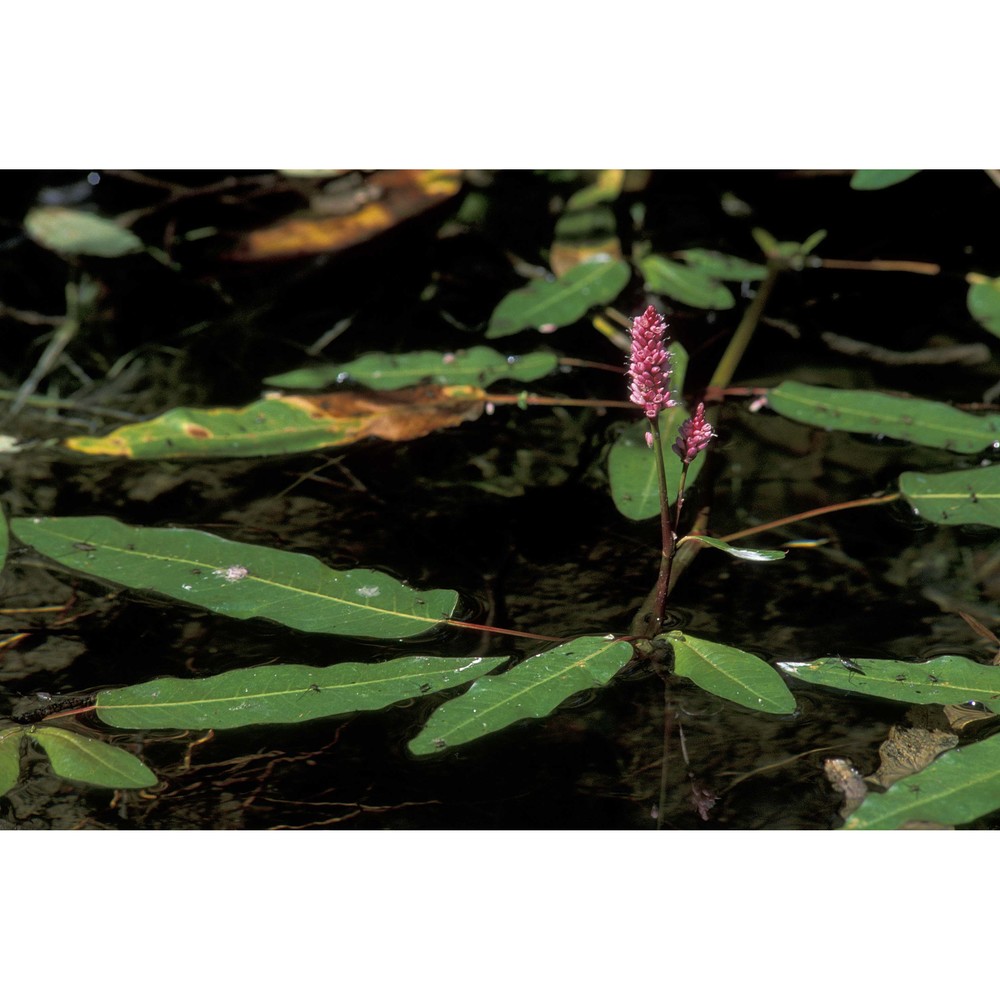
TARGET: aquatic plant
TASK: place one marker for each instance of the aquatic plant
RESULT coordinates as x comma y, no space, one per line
418,393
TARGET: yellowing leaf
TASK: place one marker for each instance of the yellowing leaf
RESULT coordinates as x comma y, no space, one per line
396,195
283,425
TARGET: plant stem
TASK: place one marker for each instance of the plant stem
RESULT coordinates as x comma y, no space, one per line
741,338
815,512
913,266
524,399
666,533
502,631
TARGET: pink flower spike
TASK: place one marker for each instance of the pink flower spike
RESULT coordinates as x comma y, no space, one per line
695,433
649,365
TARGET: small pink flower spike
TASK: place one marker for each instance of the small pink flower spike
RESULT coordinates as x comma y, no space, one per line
649,367
695,433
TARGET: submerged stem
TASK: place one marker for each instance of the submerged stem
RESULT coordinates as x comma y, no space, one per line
668,724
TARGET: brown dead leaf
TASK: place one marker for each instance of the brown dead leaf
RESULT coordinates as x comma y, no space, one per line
847,780
401,415
908,751
387,198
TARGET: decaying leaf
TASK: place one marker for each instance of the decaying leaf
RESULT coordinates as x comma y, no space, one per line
395,195
283,425
847,780
909,750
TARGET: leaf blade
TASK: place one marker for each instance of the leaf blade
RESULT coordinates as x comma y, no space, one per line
736,551
876,180
203,569
723,266
532,689
983,302
10,757
284,692
69,231
692,286
959,787
82,758
730,673
285,425
944,680
919,421
480,365
970,496
561,302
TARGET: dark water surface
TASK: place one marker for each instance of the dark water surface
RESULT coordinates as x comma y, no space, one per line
511,510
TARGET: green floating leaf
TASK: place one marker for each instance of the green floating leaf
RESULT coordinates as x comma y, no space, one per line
284,692
919,421
632,471
480,366
82,758
70,231
875,180
586,225
10,757
737,552
530,690
971,496
959,787
285,425
723,266
983,301
236,579
730,673
552,304
945,680
684,284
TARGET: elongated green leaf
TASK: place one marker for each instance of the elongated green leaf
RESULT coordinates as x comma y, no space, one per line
283,425
737,552
730,673
875,180
971,496
284,692
236,579
591,224
983,301
70,231
530,690
82,758
10,757
693,287
632,471
920,421
480,366
945,680
958,787
552,304
723,266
